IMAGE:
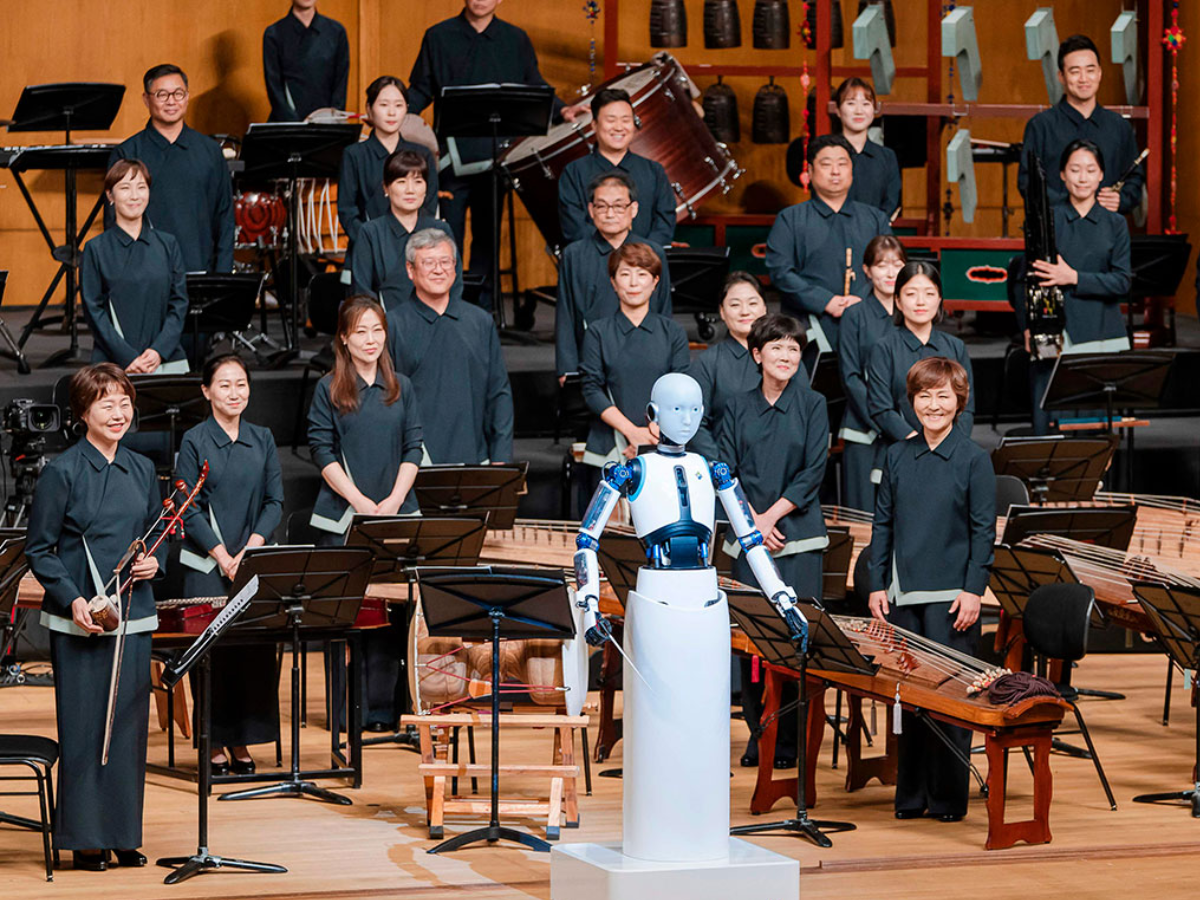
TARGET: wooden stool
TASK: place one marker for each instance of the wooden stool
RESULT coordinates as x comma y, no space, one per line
561,799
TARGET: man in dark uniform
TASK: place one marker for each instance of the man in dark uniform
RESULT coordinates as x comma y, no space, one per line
306,63
474,47
612,115
193,196
1079,116
806,249
451,352
585,291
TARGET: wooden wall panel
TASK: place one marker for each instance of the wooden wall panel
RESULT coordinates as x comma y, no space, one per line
219,43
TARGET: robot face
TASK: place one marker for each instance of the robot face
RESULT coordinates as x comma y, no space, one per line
677,405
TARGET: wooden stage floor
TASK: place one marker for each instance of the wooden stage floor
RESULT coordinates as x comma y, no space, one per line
376,847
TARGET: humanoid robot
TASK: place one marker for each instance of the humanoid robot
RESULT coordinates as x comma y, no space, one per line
676,678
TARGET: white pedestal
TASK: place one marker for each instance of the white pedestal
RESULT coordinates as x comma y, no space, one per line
601,872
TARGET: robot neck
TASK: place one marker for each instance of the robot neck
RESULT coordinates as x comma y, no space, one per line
666,448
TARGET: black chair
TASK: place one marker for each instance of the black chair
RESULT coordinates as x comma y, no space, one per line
38,755
1010,491
1056,622
325,295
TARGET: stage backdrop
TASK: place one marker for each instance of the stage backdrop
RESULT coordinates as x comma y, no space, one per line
219,43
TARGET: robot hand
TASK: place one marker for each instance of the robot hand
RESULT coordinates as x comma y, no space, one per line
597,629
794,619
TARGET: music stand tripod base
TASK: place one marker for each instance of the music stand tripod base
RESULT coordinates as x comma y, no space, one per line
603,872
203,861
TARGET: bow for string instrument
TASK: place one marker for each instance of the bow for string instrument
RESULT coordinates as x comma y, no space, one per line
108,614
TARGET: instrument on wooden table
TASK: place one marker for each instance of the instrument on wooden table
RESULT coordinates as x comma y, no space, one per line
670,132
260,220
1167,528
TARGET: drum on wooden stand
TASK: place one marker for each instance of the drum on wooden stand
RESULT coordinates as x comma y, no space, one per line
260,220
670,132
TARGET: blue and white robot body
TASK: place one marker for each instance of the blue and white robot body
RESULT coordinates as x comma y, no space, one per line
673,500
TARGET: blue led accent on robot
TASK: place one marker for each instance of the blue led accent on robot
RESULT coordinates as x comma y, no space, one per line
637,479
586,542
752,540
721,475
681,486
616,474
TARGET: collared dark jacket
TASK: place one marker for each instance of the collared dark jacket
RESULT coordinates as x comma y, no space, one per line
723,371
360,184
191,197
655,220
887,391
863,326
935,515
305,68
877,180
377,261
82,499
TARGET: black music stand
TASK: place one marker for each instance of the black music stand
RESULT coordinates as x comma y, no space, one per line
1175,612
287,151
491,603
198,654
1106,526
495,111
400,545
829,649
82,106
1158,262
697,276
1056,469
472,492
1017,571
14,350
221,302
297,588
169,403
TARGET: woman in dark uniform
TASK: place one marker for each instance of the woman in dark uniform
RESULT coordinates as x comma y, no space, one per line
918,308
877,179
1092,269
365,434
931,546
726,369
133,282
775,438
863,326
238,508
377,257
361,196
91,503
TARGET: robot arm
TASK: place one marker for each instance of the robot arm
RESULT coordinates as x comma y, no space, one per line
782,597
587,568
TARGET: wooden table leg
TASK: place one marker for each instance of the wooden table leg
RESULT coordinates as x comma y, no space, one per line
859,771
1002,834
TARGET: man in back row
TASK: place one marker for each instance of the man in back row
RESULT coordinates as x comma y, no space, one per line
192,198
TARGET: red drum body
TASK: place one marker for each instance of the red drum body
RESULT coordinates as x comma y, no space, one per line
670,132
260,218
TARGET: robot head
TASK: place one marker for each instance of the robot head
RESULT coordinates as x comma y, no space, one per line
677,405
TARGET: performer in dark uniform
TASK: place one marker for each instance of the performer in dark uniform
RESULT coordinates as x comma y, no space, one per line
1092,270
238,508
863,326
612,115
474,47
728,369
306,63
919,306
362,186
585,291
364,430
193,194
806,249
623,355
133,282
451,352
775,438
91,503
1079,116
877,179
377,257
931,546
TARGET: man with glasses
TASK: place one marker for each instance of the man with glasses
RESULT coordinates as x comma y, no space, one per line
450,351
192,198
616,125
1078,116
585,292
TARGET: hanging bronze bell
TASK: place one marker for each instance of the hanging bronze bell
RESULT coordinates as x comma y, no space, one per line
889,16
668,23
721,112
772,26
722,24
770,122
835,18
